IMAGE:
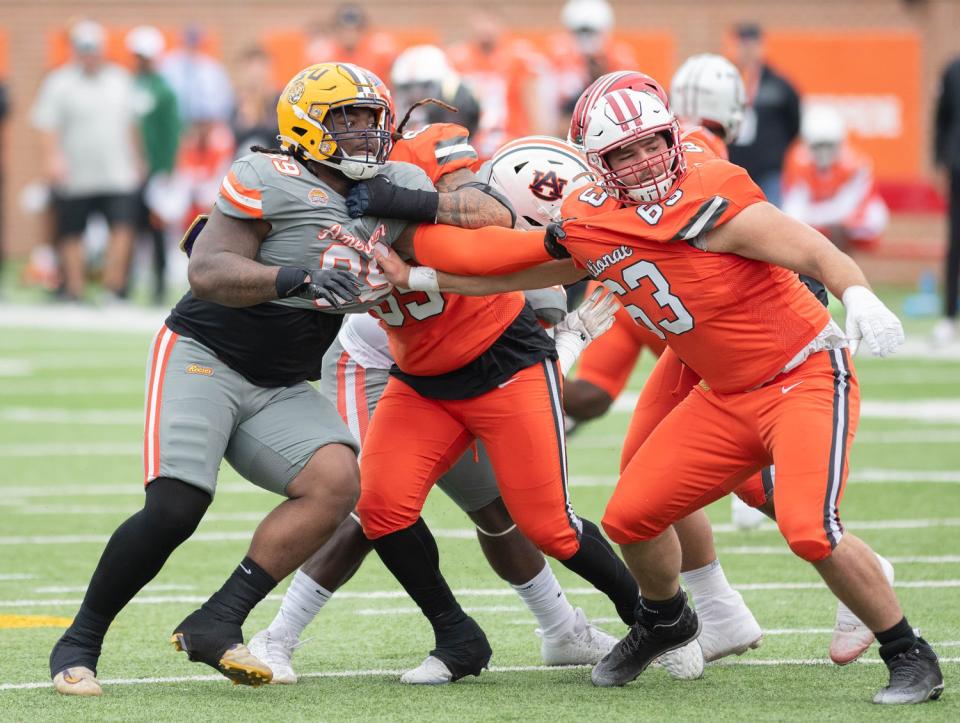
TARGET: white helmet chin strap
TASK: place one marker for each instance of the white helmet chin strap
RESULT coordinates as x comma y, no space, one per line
352,168
651,192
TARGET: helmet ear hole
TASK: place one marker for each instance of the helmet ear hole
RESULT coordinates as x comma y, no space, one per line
300,131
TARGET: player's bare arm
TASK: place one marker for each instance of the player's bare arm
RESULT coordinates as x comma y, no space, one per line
222,268
762,232
461,200
398,272
464,202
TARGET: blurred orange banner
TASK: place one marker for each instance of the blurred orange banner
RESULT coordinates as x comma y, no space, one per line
871,77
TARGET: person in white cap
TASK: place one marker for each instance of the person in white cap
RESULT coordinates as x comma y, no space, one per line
85,113
156,106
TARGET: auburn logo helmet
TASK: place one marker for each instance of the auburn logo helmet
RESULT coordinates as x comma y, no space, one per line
618,80
313,120
536,174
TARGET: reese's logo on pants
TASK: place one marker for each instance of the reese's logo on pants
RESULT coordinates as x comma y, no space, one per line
197,369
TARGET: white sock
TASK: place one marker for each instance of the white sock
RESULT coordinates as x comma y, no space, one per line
300,604
707,583
545,599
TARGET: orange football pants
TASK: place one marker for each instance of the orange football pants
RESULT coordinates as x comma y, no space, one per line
802,422
413,440
669,384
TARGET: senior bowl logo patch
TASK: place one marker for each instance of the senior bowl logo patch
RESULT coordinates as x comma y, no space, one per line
197,369
317,197
296,92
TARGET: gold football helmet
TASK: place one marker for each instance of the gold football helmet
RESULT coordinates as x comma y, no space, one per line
312,115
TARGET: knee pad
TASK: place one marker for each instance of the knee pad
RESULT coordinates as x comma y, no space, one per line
625,527
559,543
378,519
809,542
173,509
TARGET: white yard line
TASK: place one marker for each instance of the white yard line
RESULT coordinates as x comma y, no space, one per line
466,593
924,410
67,318
385,672
92,417
469,534
905,436
860,476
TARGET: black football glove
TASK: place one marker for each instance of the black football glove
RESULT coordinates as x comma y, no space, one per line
553,240
381,197
326,284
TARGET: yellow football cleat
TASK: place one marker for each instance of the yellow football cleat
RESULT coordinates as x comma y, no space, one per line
77,681
237,663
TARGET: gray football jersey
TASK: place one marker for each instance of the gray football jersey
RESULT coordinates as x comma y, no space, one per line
311,228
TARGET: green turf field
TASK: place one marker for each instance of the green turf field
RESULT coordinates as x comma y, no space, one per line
70,471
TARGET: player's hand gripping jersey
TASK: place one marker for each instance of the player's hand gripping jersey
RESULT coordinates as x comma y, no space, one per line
749,323
310,229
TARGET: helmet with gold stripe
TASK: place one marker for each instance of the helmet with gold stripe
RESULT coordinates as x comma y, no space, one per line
337,114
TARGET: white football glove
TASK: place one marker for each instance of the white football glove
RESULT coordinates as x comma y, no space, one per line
582,325
869,320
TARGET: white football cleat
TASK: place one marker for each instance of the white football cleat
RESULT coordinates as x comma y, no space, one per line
943,333
744,516
728,627
851,638
77,681
684,663
276,650
586,644
432,671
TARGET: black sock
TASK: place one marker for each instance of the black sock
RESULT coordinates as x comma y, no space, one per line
247,586
597,563
897,639
133,556
655,611
412,556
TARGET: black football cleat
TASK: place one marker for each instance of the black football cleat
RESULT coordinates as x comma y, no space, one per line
915,676
644,643
219,644
463,651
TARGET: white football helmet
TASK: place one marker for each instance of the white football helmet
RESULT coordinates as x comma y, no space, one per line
823,131
707,89
420,65
536,174
621,118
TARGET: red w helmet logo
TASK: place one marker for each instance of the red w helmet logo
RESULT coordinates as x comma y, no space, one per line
547,186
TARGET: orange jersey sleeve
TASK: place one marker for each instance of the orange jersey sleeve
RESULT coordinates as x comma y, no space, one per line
701,145
439,149
735,321
488,251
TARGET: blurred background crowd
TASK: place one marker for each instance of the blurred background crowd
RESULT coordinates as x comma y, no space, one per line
130,126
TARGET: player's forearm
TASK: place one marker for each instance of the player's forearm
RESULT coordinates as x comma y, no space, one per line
471,208
487,251
229,279
537,277
764,233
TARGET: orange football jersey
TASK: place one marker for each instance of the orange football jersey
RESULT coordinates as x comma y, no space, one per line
701,145
433,333
439,149
735,321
